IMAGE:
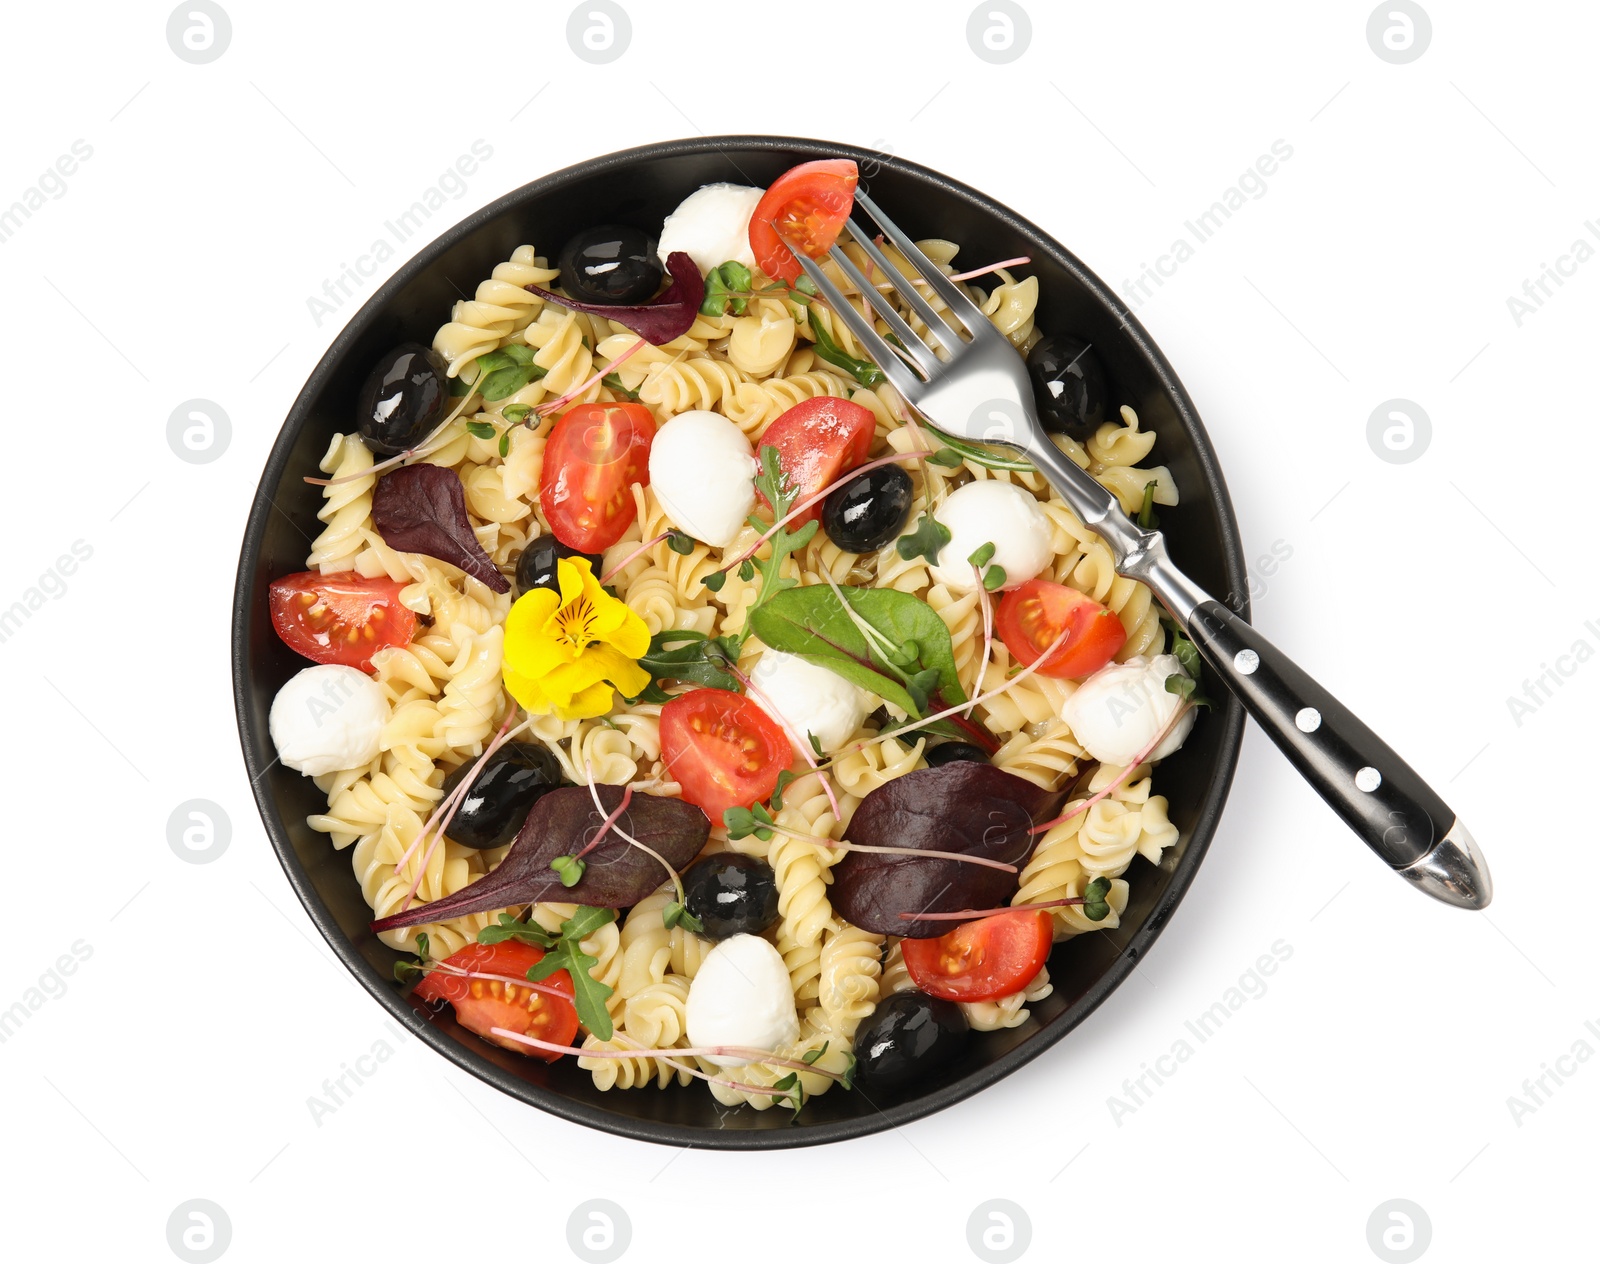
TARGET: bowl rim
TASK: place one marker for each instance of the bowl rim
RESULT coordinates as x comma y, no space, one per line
1229,720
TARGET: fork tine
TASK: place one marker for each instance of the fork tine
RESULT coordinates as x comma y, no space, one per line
938,330
965,310
892,366
920,354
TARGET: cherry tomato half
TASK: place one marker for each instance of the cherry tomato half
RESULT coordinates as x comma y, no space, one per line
818,440
809,205
981,960
723,749
343,618
594,455
484,1004
1033,614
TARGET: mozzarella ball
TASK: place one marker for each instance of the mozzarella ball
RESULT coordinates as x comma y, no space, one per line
741,995
712,226
992,512
1118,711
328,718
812,699
703,472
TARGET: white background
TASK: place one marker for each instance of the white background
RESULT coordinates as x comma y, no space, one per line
1419,197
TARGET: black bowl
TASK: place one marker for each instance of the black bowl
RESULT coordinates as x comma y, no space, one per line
639,186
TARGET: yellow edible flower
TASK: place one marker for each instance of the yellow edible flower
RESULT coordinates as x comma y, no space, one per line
568,653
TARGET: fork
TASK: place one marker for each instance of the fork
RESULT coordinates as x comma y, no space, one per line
979,389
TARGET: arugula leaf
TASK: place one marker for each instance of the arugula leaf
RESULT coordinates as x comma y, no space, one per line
480,430
613,382
1147,509
730,276
930,536
1186,684
507,370
979,453
864,371
773,484
510,927
589,994
675,914
812,623
694,657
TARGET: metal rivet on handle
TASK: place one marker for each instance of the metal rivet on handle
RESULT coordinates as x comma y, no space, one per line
1308,719
1368,779
1245,662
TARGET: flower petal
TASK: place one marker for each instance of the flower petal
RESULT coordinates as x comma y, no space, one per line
526,622
527,692
618,668
588,703
631,636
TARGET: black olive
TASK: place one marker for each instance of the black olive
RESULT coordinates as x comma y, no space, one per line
955,752
610,264
506,787
1069,386
731,894
536,568
403,399
908,1035
868,511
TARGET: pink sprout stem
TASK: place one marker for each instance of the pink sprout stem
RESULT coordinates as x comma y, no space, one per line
799,743
834,844
988,638
446,968
638,552
422,449
967,276
662,1055
556,405
968,915
605,826
1083,805
611,824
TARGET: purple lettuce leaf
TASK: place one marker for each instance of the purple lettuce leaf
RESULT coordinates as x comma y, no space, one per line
616,875
665,317
423,509
970,808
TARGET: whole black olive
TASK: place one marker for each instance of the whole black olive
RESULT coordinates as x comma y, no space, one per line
507,786
908,1035
610,264
536,568
954,753
1069,386
868,511
731,894
404,397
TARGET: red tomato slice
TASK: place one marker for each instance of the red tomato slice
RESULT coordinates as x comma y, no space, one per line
1033,614
343,618
809,205
818,440
981,960
484,1004
724,750
595,453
